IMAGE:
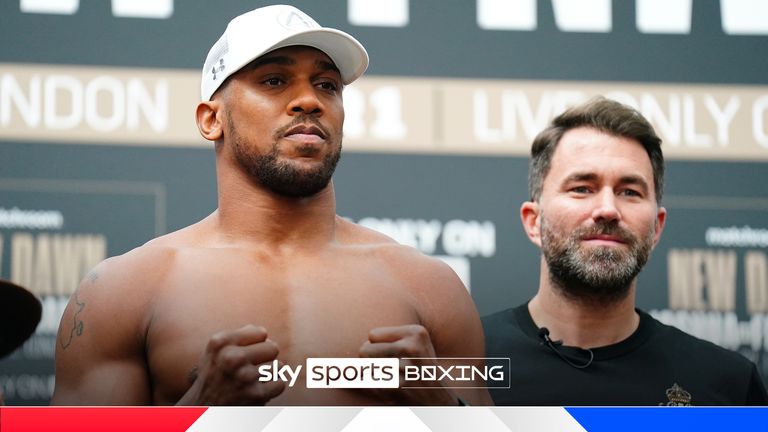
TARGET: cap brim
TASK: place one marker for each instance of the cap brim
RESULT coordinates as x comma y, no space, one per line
347,53
20,312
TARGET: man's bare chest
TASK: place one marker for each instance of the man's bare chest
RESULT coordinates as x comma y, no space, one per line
308,310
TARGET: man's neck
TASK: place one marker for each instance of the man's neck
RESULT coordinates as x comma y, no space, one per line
249,213
583,324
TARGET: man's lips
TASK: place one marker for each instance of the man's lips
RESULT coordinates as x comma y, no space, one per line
305,132
603,239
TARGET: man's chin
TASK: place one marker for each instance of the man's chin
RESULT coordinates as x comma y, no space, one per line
306,167
299,187
311,165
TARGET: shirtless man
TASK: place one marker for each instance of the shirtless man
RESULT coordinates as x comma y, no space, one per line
273,273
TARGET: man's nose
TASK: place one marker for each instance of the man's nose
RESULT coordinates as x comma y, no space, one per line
605,207
304,100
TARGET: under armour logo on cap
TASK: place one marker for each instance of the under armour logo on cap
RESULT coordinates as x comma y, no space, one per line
219,68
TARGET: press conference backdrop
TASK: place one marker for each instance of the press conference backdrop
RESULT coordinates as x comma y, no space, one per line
99,152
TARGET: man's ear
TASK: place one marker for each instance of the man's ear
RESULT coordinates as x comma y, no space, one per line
208,120
661,219
529,215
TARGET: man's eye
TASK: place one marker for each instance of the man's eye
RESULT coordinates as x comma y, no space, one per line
328,85
273,81
631,192
580,189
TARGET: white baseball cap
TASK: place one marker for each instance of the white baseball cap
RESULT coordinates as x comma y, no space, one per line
266,29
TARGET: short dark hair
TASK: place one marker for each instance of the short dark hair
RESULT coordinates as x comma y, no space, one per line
607,116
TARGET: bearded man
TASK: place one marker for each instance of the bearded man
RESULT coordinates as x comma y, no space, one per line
596,177
228,311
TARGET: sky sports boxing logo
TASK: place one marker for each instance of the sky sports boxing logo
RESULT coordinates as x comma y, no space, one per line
361,373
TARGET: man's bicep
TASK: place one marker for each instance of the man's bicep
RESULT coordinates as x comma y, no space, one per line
99,357
454,321
108,382
457,331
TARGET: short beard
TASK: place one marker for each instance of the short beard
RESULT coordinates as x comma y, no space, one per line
599,276
283,177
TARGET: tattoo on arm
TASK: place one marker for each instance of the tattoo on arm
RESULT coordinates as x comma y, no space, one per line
77,327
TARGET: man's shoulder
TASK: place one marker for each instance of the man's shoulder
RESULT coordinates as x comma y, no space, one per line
159,253
427,278
189,236
733,376
502,319
138,271
142,259
351,233
383,246
503,327
693,346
